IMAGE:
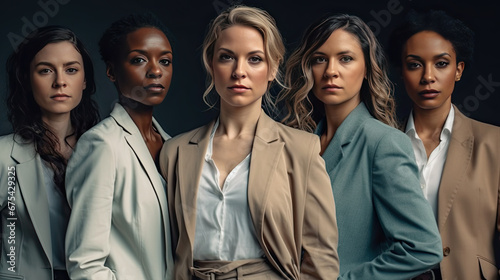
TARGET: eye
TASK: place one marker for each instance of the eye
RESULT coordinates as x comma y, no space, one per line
346,58
442,64
137,60
72,70
166,61
318,60
255,59
225,57
44,71
413,65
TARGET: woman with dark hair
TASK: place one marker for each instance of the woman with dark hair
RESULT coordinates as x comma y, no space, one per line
457,157
51,80
249,197
119,225
337,86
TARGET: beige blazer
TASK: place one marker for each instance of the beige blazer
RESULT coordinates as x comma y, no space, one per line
289,197
28,230
119,226
468,203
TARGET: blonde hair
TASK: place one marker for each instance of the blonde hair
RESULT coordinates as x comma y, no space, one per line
274,48
304,110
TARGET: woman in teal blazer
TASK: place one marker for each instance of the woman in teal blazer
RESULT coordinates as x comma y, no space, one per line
51,80
337,77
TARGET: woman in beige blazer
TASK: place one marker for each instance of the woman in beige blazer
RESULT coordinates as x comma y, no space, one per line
119,226
458,158
51,80
248,197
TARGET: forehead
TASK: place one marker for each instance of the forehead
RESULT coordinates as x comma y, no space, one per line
241,37
341,40
147,37
58,52
428,42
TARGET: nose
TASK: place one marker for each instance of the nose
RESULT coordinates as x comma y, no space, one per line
59,81
239,70
331,70
428,76
154,70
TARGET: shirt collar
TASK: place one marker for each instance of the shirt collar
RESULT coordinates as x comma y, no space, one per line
208,155
445,132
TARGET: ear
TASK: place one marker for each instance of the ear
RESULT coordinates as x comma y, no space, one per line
110,72
84,84
272,74
459,71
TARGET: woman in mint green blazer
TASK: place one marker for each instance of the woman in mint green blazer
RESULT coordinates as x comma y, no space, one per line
339,89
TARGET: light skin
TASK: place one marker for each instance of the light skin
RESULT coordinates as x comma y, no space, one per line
57,79
338,69
430,70
241,75
142,76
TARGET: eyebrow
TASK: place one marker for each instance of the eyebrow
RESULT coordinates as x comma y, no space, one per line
339,53
230,51
436,56
145,52
52,65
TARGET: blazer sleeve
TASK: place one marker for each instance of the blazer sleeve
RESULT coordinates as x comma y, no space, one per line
408,223
320,236
90,177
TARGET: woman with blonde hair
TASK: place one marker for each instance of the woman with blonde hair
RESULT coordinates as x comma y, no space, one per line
248,197
338,88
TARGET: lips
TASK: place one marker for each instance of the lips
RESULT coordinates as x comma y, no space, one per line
239,88
60,97
331,87
429,93
154,87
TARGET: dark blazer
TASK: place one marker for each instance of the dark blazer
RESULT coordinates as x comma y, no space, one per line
468,202
386,226
289,197
31,237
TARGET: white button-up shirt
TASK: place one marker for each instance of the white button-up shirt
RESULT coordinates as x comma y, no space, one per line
224,227
431,169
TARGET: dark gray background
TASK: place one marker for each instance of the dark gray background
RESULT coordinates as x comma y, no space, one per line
183,109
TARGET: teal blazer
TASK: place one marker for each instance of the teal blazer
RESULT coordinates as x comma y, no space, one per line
386,227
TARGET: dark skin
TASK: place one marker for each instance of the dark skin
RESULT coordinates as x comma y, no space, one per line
142,76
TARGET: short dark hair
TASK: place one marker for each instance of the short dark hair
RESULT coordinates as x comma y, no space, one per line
115,36
452,29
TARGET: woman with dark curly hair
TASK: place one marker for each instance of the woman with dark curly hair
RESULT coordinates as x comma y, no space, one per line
51,80
457,157
119,226
337,86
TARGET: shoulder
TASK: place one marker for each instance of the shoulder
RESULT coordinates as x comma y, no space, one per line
6,141
485,131
107,131
378,133
186,137
299,143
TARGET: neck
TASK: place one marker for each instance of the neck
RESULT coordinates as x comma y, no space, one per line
234,122
430,122
60,126
141,115
335,116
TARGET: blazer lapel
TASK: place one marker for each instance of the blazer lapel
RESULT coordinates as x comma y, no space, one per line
263,162
191,158
32,187
457,161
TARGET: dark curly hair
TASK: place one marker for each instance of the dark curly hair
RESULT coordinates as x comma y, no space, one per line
453,30
24,113
115,36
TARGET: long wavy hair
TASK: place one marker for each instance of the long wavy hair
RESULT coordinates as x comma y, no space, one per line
256,18
24,113
304,110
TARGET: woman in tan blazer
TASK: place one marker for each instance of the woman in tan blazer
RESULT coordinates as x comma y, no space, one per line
458,158
248,197
119,226
51,80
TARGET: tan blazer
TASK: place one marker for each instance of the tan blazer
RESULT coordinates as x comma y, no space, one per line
468,203
31,236
289,197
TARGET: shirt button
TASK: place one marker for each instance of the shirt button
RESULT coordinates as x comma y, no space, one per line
422,186
446,251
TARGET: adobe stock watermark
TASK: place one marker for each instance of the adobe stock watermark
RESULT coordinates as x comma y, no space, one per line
49,9
222,5
482,92
383,17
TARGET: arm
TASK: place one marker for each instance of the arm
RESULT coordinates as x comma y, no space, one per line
320,235
90,180
406,218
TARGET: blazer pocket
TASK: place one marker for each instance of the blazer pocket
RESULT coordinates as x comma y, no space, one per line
8,276
488,270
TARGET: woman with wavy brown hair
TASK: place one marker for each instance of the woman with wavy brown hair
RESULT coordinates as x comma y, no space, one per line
337,86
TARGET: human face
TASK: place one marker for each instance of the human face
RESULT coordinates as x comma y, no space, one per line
144,71
338,69
57,78
430,70
240,69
